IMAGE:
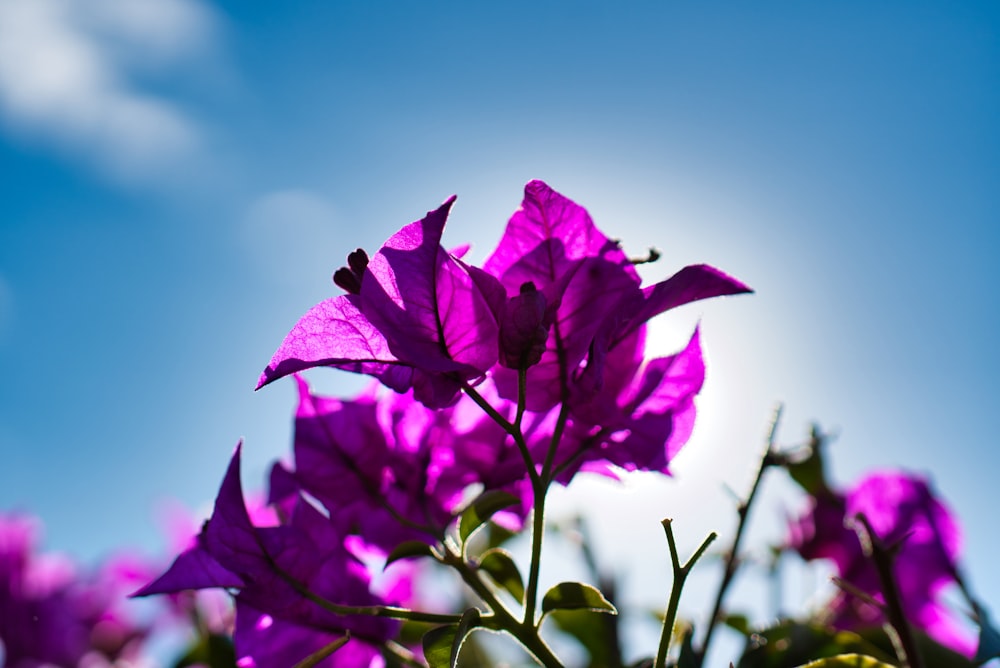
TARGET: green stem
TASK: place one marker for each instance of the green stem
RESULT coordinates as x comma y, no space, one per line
502,619
537,534
540,489
522,397
513,429
680,576
377,610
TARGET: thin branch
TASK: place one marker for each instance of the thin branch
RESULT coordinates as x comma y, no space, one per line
898,628
732,556
680,575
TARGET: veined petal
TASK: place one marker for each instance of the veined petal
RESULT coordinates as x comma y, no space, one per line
430,310
545,236
336,333
590,290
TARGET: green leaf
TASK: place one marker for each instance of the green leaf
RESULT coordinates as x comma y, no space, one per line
481,510
847,661
591,631
469,621
576,596
437,645
793,643
443,643
810,473
500,566
410,548
214,651
313,659
738,623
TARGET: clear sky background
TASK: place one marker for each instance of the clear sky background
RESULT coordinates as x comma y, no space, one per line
180,179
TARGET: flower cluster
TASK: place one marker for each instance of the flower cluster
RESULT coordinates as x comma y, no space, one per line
506,377
492,383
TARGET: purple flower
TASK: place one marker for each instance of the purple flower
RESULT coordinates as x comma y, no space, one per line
382,466
273,568
50,614
901,509
419,318
642,419
556,295
593,288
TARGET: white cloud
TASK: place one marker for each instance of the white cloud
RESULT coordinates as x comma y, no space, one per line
68,71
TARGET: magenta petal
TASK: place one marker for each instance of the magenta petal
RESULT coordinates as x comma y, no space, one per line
901,507
566,229
690,284
430,310
660,409
192,569
230,536
336,333
265,642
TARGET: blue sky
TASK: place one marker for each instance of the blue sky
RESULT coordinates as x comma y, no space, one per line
181,178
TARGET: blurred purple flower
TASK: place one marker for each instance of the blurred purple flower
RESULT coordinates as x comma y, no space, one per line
53,615
900,508
278,572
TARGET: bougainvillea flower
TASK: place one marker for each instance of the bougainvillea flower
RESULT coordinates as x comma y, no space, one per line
53,615
552,243
382,466
653,415
524,328
273,567
902,508
420,319
903,511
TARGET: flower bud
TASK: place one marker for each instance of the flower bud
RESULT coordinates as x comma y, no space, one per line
524,328
349,278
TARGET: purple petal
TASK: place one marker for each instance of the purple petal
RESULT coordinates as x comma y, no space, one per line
901,507
368,462
229,535
263,641
690,284
524,328
192,569
820,533
336,333
593,289
659,410
548,233
340,451
426,304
